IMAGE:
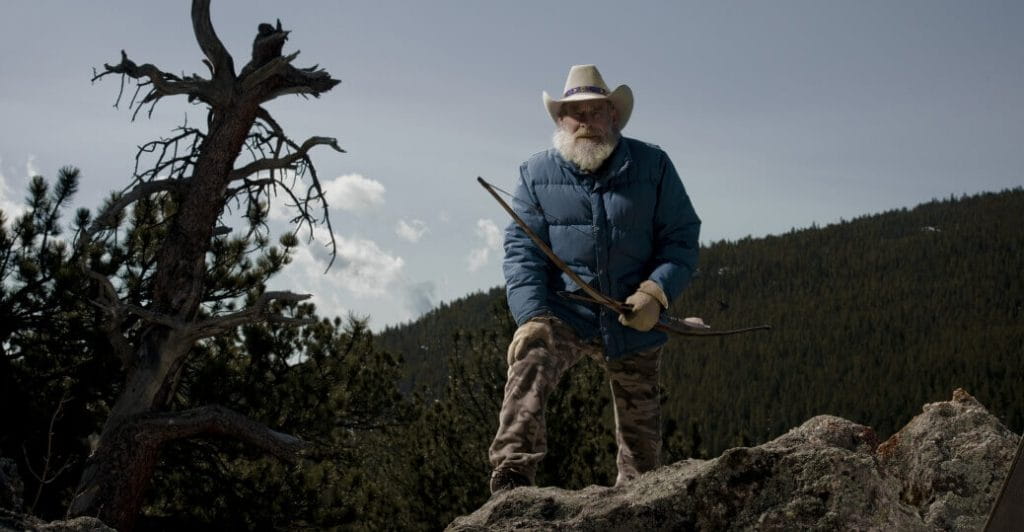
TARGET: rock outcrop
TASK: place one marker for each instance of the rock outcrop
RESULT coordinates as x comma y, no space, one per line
942,471
15,522
11,502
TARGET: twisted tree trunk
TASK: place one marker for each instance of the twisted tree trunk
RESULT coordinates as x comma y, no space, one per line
117,473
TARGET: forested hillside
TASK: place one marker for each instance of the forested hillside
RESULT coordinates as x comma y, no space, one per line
871,318
426,343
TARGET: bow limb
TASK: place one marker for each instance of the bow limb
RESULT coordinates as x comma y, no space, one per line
675,325
669,324
598,297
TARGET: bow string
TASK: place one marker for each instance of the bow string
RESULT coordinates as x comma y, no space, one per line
666,323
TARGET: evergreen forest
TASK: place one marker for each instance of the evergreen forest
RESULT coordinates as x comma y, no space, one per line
871,318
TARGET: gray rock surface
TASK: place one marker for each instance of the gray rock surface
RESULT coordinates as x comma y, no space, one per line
11,521
942,471
11,488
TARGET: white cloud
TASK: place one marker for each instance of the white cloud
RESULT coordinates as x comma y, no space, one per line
490,232
353,192
30,167
350,192
412,230
368,270
487,231
478,258
364,279
305,274
360,265
11,209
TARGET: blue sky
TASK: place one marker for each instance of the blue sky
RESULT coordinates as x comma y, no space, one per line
776,114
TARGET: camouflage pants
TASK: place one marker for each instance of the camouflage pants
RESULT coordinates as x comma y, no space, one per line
533,373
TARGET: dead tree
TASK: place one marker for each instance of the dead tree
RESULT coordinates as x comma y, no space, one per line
197,172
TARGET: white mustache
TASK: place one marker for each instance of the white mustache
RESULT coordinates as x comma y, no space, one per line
588,131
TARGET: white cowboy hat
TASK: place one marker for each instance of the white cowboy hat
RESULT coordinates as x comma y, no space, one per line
585,83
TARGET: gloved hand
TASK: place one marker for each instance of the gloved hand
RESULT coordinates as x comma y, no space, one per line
647,302
528,333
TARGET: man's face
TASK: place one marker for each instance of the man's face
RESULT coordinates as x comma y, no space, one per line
593,121
587,133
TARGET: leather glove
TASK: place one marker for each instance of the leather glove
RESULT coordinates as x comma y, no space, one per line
527,333
647,302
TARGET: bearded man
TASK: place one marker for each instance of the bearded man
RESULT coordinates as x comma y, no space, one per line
615,211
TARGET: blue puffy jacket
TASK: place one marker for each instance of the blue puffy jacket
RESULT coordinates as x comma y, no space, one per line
630,221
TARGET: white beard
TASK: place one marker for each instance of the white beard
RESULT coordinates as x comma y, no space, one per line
586,153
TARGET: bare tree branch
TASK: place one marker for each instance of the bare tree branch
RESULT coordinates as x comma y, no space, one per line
252,314
269,74
160,83
139,191
159,428
156,317
273,67
297,160
219,60
303,81
46,477
114,313
287,161
176,166
253,184
301,90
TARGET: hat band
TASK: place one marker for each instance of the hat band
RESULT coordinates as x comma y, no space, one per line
585,88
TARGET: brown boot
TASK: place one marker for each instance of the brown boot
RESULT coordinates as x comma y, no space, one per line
506,479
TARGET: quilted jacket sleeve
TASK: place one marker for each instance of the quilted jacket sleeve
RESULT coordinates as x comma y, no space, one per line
676,234
525,266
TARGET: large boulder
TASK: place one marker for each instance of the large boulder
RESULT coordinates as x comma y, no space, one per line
942,471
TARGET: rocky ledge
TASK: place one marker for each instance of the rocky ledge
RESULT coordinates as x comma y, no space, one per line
942,471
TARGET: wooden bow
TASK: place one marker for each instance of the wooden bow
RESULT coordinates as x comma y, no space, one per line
667,323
